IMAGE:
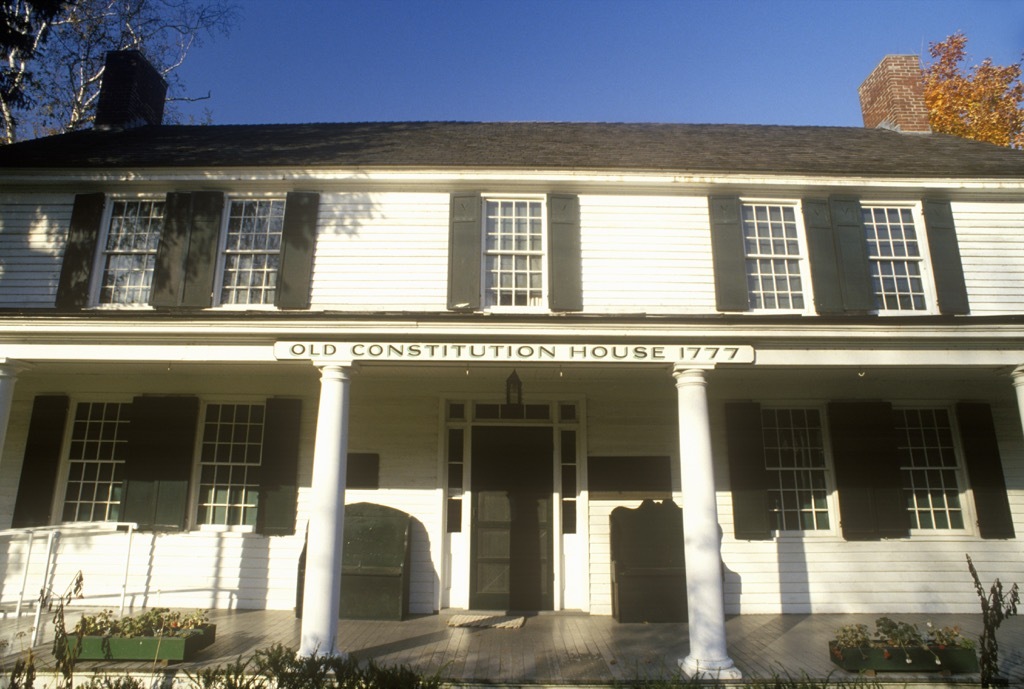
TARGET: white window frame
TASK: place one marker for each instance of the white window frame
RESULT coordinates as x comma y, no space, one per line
963,488
223,253
828,472
803,258
485,285
64,472
99,268
197,464
923,261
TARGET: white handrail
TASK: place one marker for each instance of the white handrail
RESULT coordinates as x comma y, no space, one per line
51,540
24,575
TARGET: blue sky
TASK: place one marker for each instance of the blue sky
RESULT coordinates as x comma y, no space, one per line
737,61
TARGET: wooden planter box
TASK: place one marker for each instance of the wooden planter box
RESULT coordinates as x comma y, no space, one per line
166,648
952,659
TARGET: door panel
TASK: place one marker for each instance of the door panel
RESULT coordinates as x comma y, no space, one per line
512,540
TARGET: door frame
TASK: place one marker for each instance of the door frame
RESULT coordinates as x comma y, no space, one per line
454,569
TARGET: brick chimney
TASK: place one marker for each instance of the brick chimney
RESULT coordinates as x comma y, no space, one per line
132,93
892,97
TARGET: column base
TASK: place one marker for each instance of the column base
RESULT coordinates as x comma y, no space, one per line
702,668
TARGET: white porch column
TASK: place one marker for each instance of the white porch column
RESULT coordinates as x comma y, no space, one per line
702,540
1018,385
326,536
8,377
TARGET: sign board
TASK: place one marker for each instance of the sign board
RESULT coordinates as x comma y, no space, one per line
697,354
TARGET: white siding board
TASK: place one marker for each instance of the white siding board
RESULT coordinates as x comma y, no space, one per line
646,254
991,240
381,252
33,229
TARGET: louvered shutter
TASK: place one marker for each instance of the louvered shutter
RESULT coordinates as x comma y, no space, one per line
465,252
566,283
42,461
203,245
944,250
169,270
867,469
748,476
298,244
158,462
728,254
821,250
852,255
985,470
278,473
80,252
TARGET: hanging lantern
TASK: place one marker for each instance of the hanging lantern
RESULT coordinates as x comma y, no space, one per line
513,389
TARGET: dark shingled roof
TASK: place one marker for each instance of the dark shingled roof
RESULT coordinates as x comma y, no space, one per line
699,148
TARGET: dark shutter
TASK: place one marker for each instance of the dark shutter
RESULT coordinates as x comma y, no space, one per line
728,254
867,469
465,252
821,251
566,282
169,271
748,477
279,467
298,243
950,288
80,252
203,244
852,255
985,470
42,460
158,462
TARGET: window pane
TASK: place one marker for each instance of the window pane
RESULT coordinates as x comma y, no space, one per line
252,251
96,467
514,261
895,255
773,257
928,462
795,459
231,453
129,255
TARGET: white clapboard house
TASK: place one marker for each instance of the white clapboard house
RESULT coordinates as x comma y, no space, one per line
811,339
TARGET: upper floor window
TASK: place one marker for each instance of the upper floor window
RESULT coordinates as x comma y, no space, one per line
896,258
129,252
929,464
794,455
252,251
775,263
514,261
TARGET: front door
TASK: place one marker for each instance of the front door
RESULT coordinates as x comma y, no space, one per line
511,549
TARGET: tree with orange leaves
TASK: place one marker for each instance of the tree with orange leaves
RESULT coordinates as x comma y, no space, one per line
984,104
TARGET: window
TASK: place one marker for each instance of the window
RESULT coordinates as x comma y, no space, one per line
230,456
129,253
794,456
252,251
774,261
96,458
514,253
894,251
928,462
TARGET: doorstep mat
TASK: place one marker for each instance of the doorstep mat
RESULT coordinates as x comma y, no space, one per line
487,621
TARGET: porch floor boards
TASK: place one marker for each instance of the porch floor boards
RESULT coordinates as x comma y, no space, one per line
550,649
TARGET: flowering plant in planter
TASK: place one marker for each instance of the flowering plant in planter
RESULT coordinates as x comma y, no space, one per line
901,647
157,634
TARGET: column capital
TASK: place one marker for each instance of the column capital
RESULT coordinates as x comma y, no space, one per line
10,368
336,370
688,374
1018,375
